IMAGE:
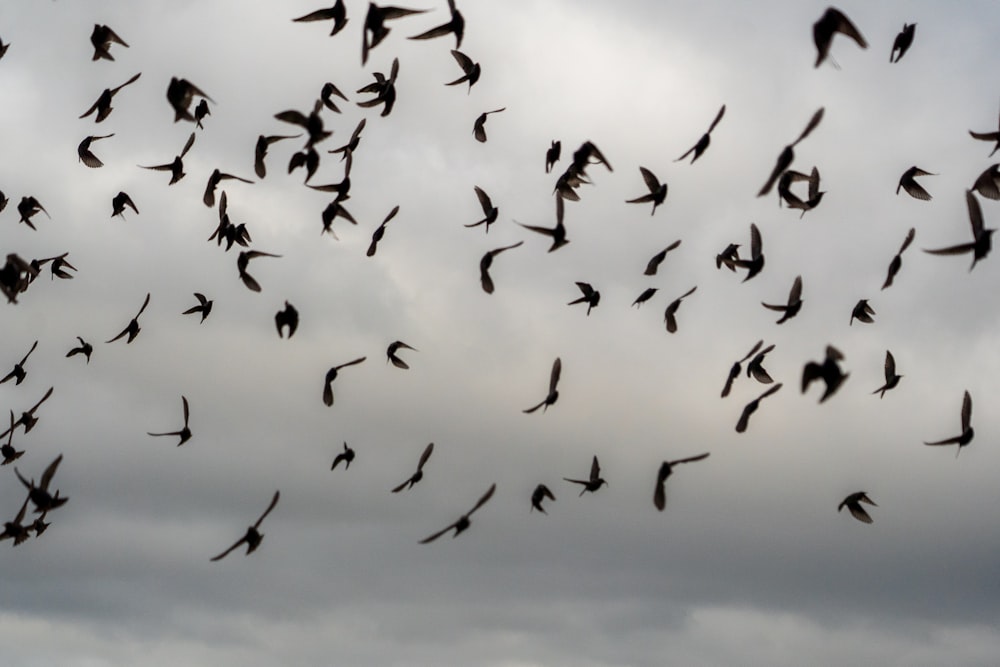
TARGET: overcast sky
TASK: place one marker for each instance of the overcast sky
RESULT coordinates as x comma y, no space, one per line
750,563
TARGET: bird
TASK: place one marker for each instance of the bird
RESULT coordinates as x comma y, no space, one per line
58,266
176,167
552,155
902,43
734,370
897,260
645,296
83,348
260,151
987,183
824,30
981,243
3,48
352,144
18,373
253,535
103,104
326,94
15,529
380,231
7,449
705,139
200,112
375,30
540,493
490,212
668,315
463,521
390,354
185,432
487,261
132,328
594,483
419,474
751,407
39,495
180,94
862,312
828,371
204,306
553,394
988,136
557,233
654,262
788,153
909,184
576,174
853,505
755,264
470,70
337,13
346,456
791,308
813,196
657,191
243,260
311,122
454,26
119,202
965,437
308,157
288,317
101,38
590,296
666,469
728,257
333,211
331,375
213,181
27,208
384,89
479,127
891,377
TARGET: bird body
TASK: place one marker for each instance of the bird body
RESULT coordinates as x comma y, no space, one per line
853,505
594,482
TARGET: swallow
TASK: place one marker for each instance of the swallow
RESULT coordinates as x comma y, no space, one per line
132,328
490,212
788,154
654,262
312,123
7,449
862,312
204,307
243,260
981,243
337,14
594,483
454,26
792,200
200,112
987,183
3,48
540,493
832,22
380,232
308,157
349,148
326,94
576,174
657,191
375,30
18,374
390,354
897,260
965,437
752,406
591,297
910,185
463,521
15,529
891,377
558,233
853,505
346,456
103,104
185,432
101,38
213,181
39,524
470,70
15,275
669,318
39,495
553,394
383,88
419,474
792,307
119,202
755,368
988,136
705,139
828,371
666,469
902,43
288,317
180,94
646,295
176,168
487,261
552,155
253,535
737,367
28,207
479,127
83,348
728,257
331,375
260,151
333,211
755,264
58,266
226,230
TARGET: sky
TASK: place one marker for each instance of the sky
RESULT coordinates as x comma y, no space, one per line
750,563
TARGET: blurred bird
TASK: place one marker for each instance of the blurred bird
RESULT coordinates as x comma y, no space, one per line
965,437
479,127
755,264
204,306
84,348
813,196
58,266
213,182
853,505
471,70
375,30
15,275
243,260
394,347
463,521
752,406
669,314
791,308
180,94
333,211
348,148
594,483
346,456
260,151
657,191
312,123
18,373
646,295
728,257
989,136
828,371
39,495
832,22
15,529
558,233
914,189
734,370
705,139
755,368
862,312
891,377
487,261
380,231
3,48
308,157
987,183
253,535
666,469
176,168
383,88
101,38
118,204
331,375
185,432
419,474
326,94
7,449
788,154
27,208
337,14
654,262
552,155
289,317
981,243
591,297
103,104
897,260
132,328
490,212
553,395
902,43
540,493
454,26
200,112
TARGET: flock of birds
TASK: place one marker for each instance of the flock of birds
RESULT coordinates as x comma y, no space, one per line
190,104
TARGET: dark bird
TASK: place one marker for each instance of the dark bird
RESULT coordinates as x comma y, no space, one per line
853,505
7,449
39,495
243,261
312,123
200,112
101,37
862,312
375,30
3,48
553,394
39,524
337,14
965,437
383,88
552,155
185,432
204,307
58,266
454,26
669,318
15,275
891,377
989,136
308,157
3,201
813,196
557,233
213,182
83,348
176,168
326,94
981,243
132,328
103,104
253,536
755,368
118,204
487,261
333,211
734,370
646,295
654,262
728,257
288,317
463,521
657,191
705,139
394,347
419,474
832,22
828,371
180,94
18,373
591,297
540,493
594,483
907,182
260,151
15,529
902,43
470,69
228,231
380,232
479,127
788,154
490,212
27,208
987,183
792,307
331,375
752,406
666,469
348,148
755,264
346,456
897,260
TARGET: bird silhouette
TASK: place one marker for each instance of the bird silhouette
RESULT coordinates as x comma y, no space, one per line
331,375
552,155
540,493
204,306
326,94
557,233
243,260
176,167
348,149
751,407
909,184
200,112
987,183
101,38
813,196
335,209
490,212
346,456
828,371
308,157
989,136
463,521
862,312
645,296
27,208
213,182
853,505
119,202
337,13
419,474
180,94
981,243
7,449
705,139
902,43
787,154
487,261
591,297
287,317
891,377
253,535
755,368
792,307
455,25
394,347
58,266
654,262
380,231
375,30
383,88
755,264
728,257
479,127
666,469
553,394
185,432
3,48
16,530
669,318
832,22
260,151
470,70
657,191
965,437
897,260
132,328
39,495
18,373
594,483
15,275
734,370
103,104
83,348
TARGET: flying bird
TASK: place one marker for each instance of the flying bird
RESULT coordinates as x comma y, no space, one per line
552,155
39,495
470,70
132,328
553,394
557,233
119,202
394,347
832,22
288,317
891,377
791,308
326,94
902,43
646,295
987,183
213,182
346,456
18,373
380,231
981,243
200,112
752,406
965,437
479,127
463,521
419,474
989,136
594,483
862,312
669,314
103,104
666,469
83,348
755,368
705,139
15,529
337,13
591,297
540,493
331,375
180,94
101,38
853,505
908,182
243,260
828,371
260,151
7,449
375,30
755,264
185,432
383,88
487,261
455,25
788,154
253,535
654,262
728,257
176,167
27,208
204,307
490,212
897,260
737,367
352,144
813,196
3,48
657,191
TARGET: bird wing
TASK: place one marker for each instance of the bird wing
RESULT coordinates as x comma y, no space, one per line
813,122
975,215
482,501
554,376
43,483
431,538
226,552
274,501
691,459
966,411
795,294
649,177
595,469
718,117
424,456
464,61
858,512
890,365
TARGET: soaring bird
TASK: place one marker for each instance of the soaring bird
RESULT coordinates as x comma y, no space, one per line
101,38
176,167
487,261
965,437
669,318
326,94
705,139
337,13
346,456
734,370
490,212
908,182
751,407
594,483
375,30
728,257
590,296
862,312
455,25
84,348
185,432
788,154
897,259
243,260
828,371
853,505
380,231
331,375
902,43
419,473
394,347
755,264
654,262
657,191
18,373
470,70
666,469
39,495
260,151
204,306
463,521
988,136
553,394
981,243
180,94
479,127
119,202
832,22
253,535
552,155
540,493
213,182
132,328
383,88
287,317
891,377
790,308
103,104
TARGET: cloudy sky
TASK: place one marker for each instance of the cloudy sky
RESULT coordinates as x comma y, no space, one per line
749,564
